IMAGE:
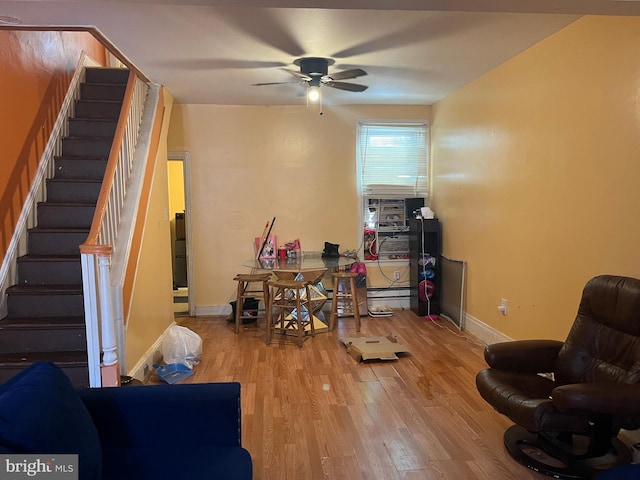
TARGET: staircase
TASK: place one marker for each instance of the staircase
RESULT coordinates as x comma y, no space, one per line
45,319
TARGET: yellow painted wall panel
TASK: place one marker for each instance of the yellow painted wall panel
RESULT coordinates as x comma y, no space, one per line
535,169
176,187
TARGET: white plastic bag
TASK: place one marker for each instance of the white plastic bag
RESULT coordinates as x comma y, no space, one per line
181,345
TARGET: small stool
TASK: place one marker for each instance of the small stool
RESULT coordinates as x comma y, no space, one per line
291,300
344,295
245,292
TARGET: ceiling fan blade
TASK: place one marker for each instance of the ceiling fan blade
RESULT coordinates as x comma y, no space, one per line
217,64
271,83
346,74
306,78
426,26
265,25
301,79
351,87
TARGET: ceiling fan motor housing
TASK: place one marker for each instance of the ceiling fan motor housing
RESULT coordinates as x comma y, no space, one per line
314,66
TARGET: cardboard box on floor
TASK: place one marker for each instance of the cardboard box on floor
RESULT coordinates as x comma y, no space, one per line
373,348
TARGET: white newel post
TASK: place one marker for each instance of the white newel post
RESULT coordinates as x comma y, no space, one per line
90,293
110,369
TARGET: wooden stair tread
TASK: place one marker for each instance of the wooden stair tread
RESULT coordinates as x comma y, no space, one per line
45,289
93,119
59,229
75,180
108,84
91,100
95,158
67,204
48,258
63,359
99,138
40,322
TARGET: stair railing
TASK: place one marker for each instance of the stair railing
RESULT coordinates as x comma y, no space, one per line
96,252
37,192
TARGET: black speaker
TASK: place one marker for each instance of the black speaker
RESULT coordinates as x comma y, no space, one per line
411,205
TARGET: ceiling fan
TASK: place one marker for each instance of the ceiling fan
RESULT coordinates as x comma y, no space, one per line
314,72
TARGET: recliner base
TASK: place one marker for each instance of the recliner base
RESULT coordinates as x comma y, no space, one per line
542,453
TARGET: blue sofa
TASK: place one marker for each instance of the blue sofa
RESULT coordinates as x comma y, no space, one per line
624,472
137,432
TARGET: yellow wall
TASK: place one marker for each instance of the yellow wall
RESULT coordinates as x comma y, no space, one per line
249,164
176,198
152,298
536,168
176,187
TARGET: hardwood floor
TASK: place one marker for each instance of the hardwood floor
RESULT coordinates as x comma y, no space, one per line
315,413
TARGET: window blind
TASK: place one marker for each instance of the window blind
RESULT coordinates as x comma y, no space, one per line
393,159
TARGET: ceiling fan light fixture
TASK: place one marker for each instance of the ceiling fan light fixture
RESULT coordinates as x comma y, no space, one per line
313,94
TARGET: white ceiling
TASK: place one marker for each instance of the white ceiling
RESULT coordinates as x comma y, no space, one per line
416,52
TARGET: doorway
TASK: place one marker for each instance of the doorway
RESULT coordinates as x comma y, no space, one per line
178,169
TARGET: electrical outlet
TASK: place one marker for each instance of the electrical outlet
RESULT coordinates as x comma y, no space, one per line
396,275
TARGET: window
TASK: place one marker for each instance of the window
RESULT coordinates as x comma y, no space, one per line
392,167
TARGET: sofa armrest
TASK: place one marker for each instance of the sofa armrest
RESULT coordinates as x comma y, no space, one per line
601,398
526,356
204,414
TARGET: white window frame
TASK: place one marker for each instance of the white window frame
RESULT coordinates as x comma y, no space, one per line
418,189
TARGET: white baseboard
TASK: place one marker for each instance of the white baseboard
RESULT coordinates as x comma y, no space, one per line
483,332
393,303
391,297
145,365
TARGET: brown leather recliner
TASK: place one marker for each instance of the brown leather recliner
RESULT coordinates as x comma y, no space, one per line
568,418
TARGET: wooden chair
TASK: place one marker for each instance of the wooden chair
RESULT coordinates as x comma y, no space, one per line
290,309
345,293
246,290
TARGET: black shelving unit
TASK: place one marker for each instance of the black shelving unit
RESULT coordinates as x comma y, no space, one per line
425,241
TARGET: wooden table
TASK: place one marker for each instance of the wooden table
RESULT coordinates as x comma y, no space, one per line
312,266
